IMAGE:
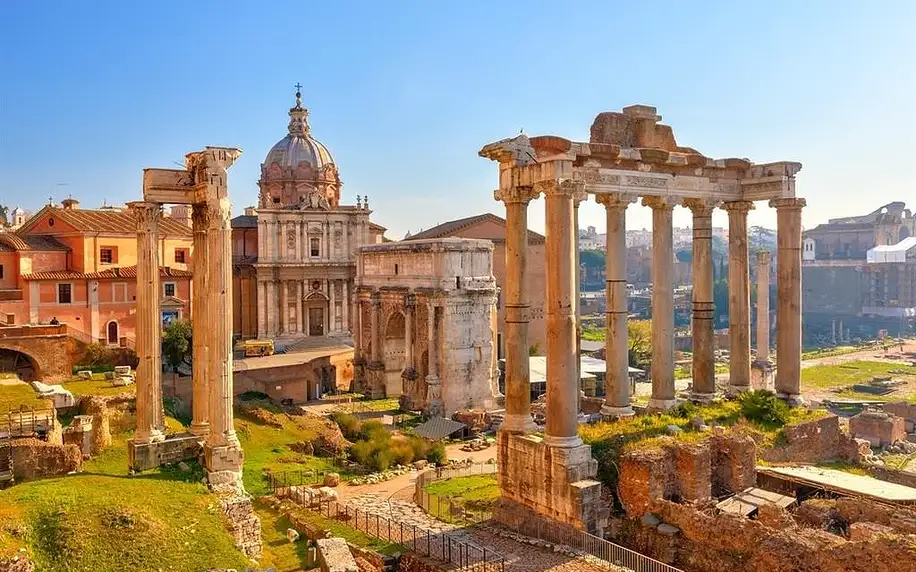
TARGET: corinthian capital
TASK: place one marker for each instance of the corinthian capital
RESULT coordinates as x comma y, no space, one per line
659,203
738,206
147,214
788,204
701,207
614,200
516,195
200,217
219,211
564,187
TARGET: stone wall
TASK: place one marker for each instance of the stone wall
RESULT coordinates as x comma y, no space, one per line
415,563
175,448
905,410
550,481
334,556
244,524
693,472
879,428
33,458
815,441
707,542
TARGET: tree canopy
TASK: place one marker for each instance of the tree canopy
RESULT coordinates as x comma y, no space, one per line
176,344
592,258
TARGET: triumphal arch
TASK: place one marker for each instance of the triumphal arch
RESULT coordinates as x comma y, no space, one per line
630,156
203,185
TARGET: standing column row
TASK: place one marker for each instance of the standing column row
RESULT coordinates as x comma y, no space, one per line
150,418
617,376
515,294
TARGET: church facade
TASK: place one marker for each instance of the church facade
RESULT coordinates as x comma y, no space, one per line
294,254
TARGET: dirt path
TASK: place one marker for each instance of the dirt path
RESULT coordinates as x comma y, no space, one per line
869,354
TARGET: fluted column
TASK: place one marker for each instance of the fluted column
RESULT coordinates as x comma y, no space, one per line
579,196
149,324
284,307
704,308
562,384
763,306
345,303
262,308
373,321
219,250
516,304
200,378
739,298
409,304
433,389
617,376
300,317
663,394
788,308
332,306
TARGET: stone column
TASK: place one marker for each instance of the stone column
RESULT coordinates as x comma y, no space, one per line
324,241
617,377
332,306
562,385
579,196
833,331
222,451
345,303
788,308
300,317
739,298
409,304
375,338
663,395
262,308
433,389
763,306
200,377
284,307
149,324
515,296
702,326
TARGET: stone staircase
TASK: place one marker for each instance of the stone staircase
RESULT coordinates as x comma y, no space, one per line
288,345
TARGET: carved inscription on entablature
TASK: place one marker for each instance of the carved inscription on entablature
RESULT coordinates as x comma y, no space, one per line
646,182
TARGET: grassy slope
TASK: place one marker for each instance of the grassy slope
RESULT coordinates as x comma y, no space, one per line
15,395
477,491
833,376
98,385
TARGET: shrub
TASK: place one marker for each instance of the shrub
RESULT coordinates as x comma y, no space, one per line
381,459
349,425
764,407
401,452
372,430
362,452
420,447
436,454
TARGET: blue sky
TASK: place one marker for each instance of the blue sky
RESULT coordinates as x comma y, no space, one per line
405,93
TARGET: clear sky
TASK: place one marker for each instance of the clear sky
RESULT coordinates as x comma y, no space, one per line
404,94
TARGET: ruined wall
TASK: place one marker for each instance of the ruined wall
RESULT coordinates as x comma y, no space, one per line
816,441
708,542
905,410
33,458
244,524
880,429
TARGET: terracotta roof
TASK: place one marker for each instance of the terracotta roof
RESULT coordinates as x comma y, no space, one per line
374,226
106,221
120,272
245,221
14,241
451,227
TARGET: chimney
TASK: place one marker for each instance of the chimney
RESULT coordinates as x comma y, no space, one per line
70,204
250,211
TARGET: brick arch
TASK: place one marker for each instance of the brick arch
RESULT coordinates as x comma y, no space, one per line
37,366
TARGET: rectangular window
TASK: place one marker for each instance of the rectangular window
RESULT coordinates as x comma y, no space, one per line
106,256
180,255
64,293
1,272
169,288
315,247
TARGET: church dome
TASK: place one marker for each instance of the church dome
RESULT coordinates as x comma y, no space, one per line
299,146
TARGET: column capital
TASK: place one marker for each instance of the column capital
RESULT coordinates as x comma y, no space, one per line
200,217
561,187
615,200
219,212
148,214
659,203
701,207
516,195
763,257
795,203
738,206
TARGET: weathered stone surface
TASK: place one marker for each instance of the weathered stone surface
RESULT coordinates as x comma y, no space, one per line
815,441
866,530
33,458
334,556
878,428
244,524
144,456
332,479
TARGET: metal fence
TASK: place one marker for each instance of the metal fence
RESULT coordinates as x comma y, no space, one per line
450,509
295,478
439,545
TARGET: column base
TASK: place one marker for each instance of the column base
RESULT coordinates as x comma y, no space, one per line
698,397
656,404
762,375
611,412
199,429
734,390
793,399
223,464
518,423
562,442
142,455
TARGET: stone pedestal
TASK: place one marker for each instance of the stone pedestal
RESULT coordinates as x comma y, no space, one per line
554,482
762,375
375,380
175,448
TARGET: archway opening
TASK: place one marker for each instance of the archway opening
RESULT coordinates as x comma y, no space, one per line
18,364
112,332
394,354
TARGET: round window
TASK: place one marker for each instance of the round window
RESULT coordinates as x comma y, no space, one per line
51,221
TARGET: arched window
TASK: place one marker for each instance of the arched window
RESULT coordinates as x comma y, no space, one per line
113,332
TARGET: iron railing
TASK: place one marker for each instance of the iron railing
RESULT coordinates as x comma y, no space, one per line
295,478
450,509
439,545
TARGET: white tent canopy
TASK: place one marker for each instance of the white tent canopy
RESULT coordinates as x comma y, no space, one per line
891,252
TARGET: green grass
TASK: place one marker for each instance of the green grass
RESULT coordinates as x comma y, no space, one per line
371,406
340,529
831,352
845,467
593,333
18,394
267,448
477,492
833,376
102,520
98,385
279,553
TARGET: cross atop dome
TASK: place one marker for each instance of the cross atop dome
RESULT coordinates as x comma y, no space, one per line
298,115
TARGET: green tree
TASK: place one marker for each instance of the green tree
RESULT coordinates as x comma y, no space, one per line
176,344
720,299
639,342
592,258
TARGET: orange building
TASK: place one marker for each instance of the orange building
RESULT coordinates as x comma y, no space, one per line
78,266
